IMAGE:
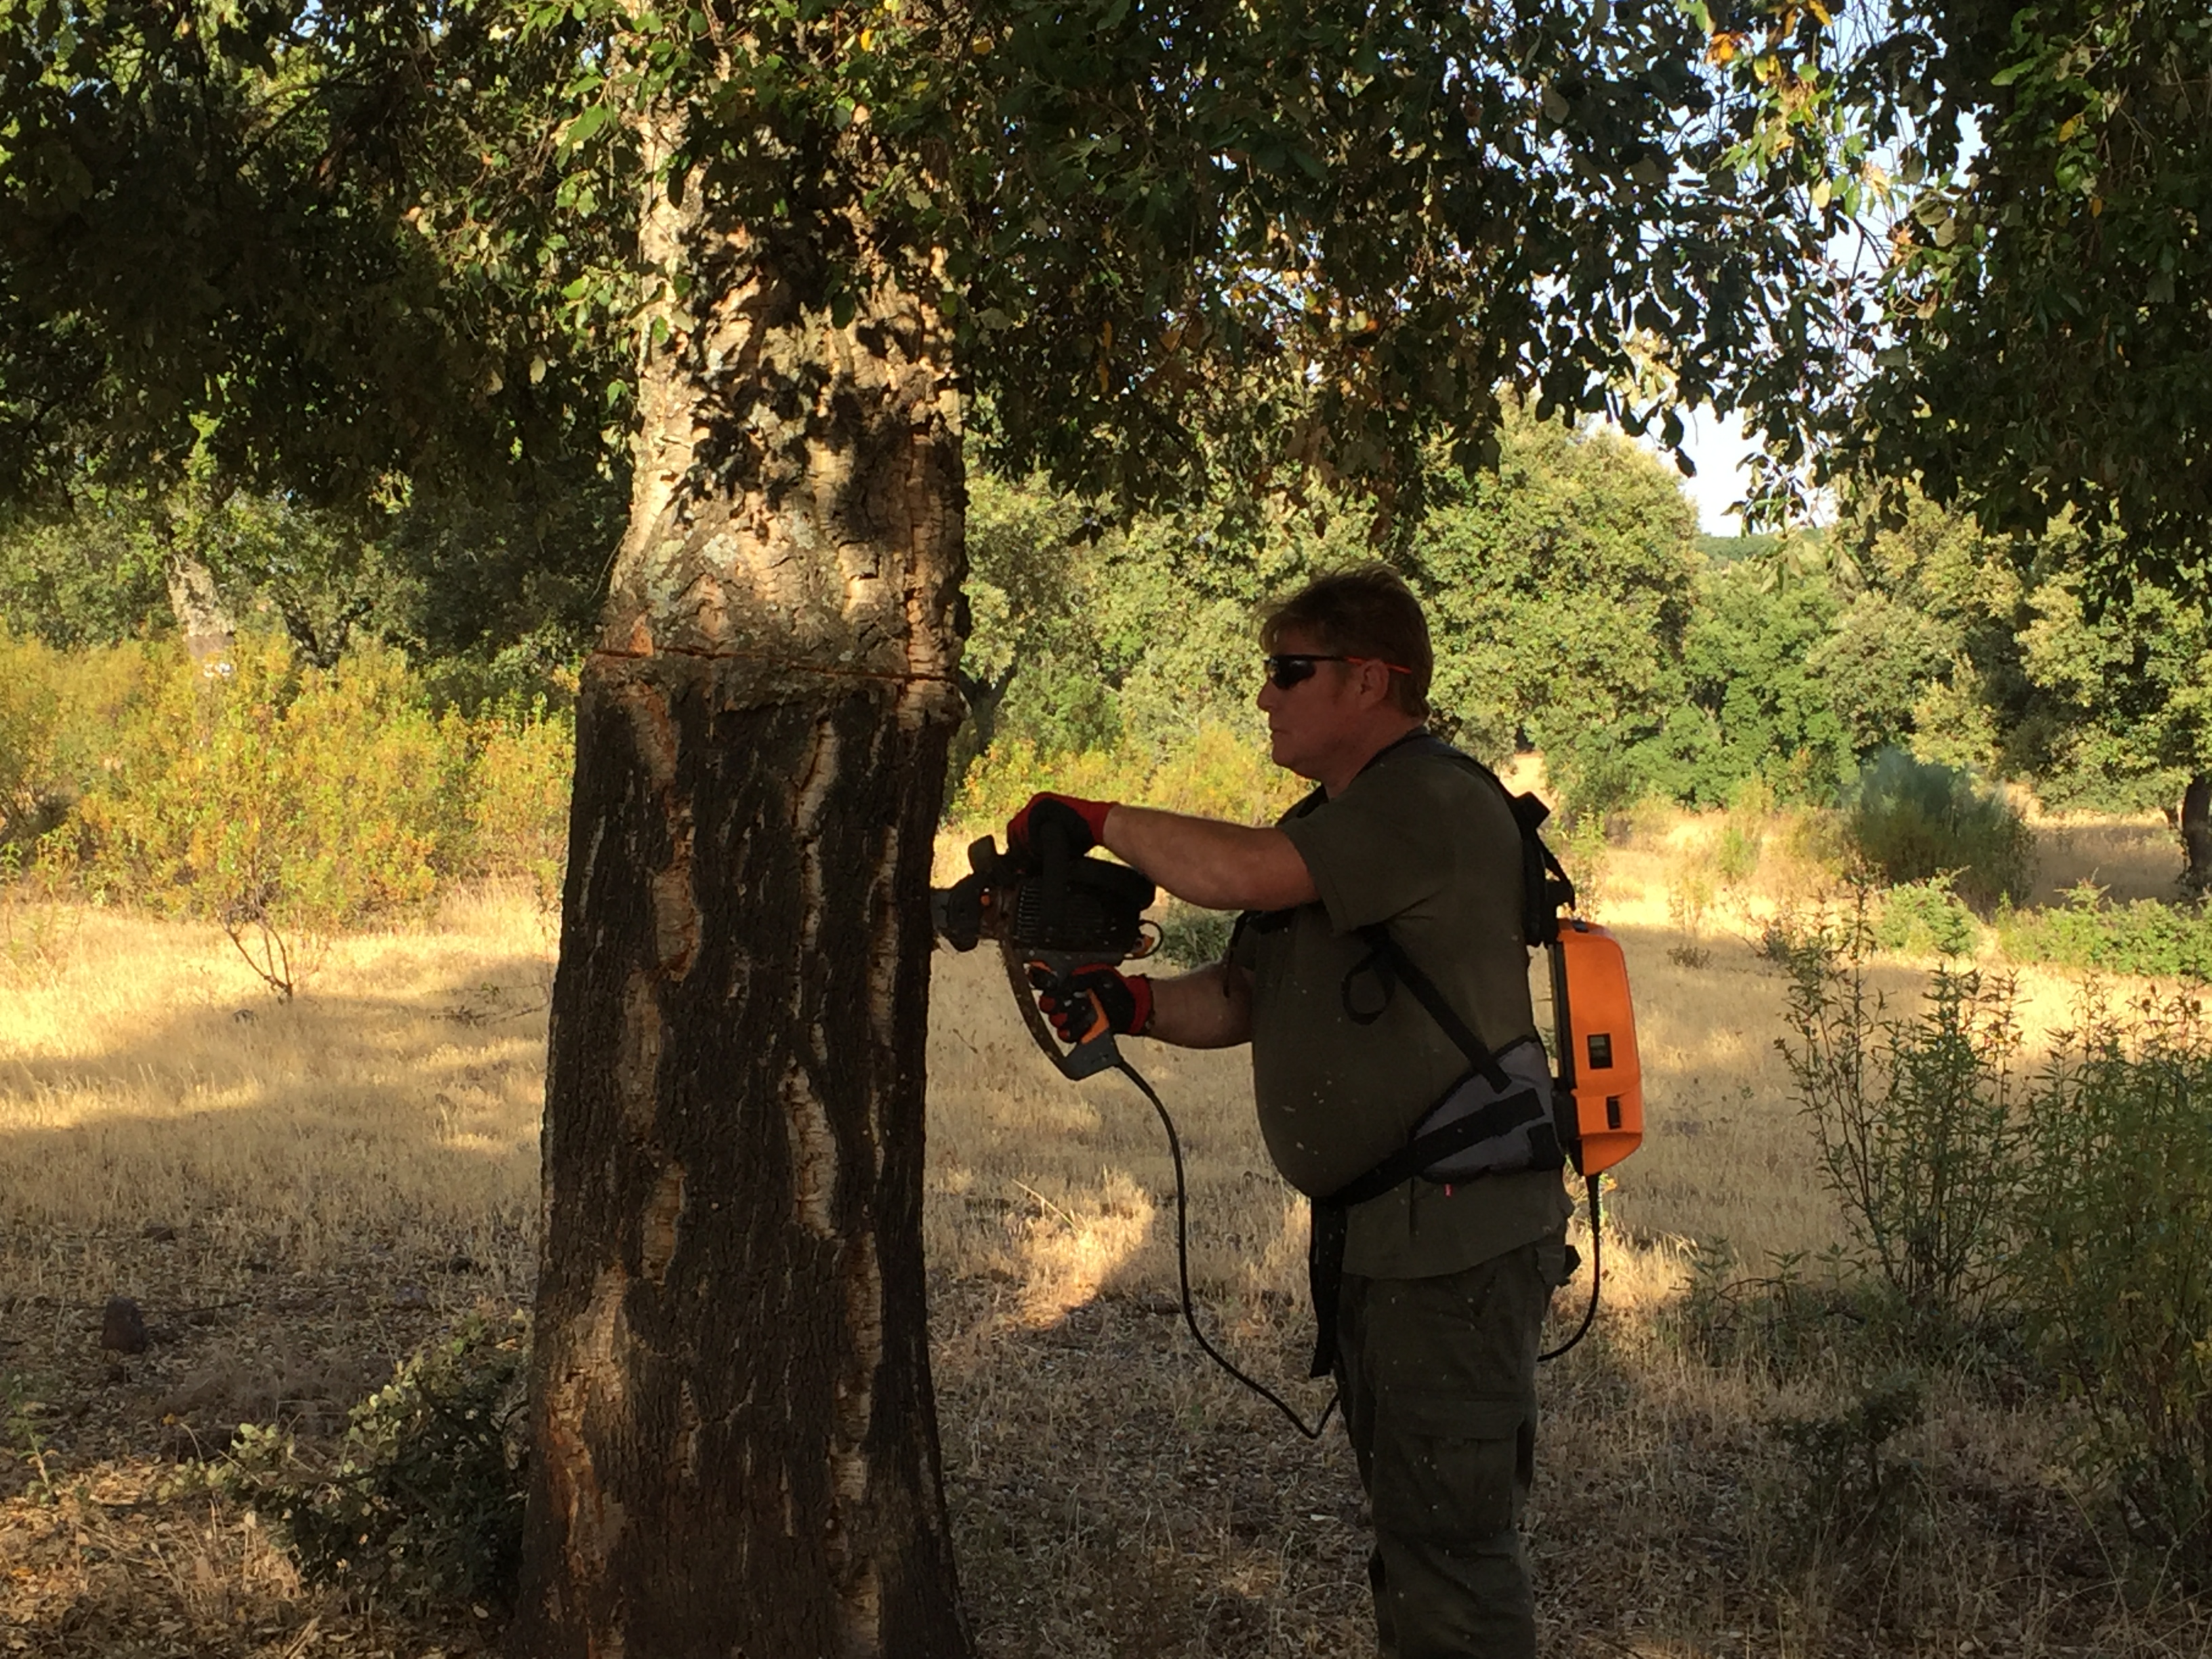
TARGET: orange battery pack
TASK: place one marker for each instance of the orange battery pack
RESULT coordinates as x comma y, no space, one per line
1598,1067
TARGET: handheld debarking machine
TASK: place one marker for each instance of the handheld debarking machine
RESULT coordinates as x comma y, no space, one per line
1054,911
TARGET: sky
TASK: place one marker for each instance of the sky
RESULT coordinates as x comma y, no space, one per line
1717,444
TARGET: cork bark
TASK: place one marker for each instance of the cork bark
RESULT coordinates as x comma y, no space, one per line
734,1439
2196,836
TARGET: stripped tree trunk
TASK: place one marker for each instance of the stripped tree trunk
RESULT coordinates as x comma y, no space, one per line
194,599
2196,836
196,603
735,1446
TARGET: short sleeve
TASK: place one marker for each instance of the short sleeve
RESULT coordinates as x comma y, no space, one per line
1381,848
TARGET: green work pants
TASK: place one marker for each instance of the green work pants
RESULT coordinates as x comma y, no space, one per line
1439,1383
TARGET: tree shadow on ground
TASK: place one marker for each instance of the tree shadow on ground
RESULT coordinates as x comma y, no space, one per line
293,1201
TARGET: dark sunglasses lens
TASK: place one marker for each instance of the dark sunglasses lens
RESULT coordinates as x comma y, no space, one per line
1287,672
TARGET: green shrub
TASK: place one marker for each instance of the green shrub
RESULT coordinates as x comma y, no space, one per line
286,802
1219,773
1911,820
1926,918
520,783
1846,1493
1743,833
1584,853
1914,1121
31,799
1781,1320
1690,891
58,713
1193,937
37,926
2112,1274
424,1502
2155,940
296,799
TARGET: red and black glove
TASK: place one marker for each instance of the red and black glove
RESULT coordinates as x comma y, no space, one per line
1082,821
1077,1003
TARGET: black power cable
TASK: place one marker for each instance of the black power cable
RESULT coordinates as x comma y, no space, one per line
1190,1316
1183,1269
1589,1314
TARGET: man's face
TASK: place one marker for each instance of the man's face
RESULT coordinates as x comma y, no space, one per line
1311,722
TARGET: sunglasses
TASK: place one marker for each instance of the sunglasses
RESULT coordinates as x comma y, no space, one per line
1287,668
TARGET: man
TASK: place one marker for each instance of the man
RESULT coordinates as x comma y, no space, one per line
1443,1286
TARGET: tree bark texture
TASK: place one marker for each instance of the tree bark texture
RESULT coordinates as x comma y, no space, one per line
734,1438
2196,836
984,698
201,616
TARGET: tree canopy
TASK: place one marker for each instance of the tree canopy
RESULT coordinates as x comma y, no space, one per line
2028,336
327,243
315,246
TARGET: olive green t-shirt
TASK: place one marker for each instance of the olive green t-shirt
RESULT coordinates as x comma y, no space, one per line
1423,842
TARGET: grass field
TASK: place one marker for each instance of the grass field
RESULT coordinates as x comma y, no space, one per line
297,1194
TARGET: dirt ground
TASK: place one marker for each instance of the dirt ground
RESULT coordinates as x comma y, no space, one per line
296,1196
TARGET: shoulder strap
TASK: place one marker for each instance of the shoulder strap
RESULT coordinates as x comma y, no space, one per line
1545,888
1385,945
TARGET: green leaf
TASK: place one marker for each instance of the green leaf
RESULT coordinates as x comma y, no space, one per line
586,126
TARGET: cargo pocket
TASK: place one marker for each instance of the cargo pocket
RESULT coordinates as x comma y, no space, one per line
1556,1262
1450,1467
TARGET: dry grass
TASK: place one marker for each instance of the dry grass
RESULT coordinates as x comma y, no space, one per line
2130,858
299,1197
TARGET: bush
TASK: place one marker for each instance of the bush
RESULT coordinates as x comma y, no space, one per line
1845,1494
298,800
1912,820
285,802
2111,1275
1914,1121
1925,918
1220,773
58,714
1783,1322
30,711
424,1503
525,765
2157,941
1691,889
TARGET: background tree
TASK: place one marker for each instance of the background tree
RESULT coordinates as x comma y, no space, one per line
1030,550
1560,589
1998,659
1143,248
1748,659
2119,713
2032,346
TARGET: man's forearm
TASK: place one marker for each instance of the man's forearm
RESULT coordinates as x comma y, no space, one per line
1209,1008
1216,866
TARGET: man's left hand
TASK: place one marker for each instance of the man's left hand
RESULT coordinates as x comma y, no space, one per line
1082,822
1077,1003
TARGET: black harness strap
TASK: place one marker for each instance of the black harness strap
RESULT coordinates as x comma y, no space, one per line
1499,1117
1384,944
